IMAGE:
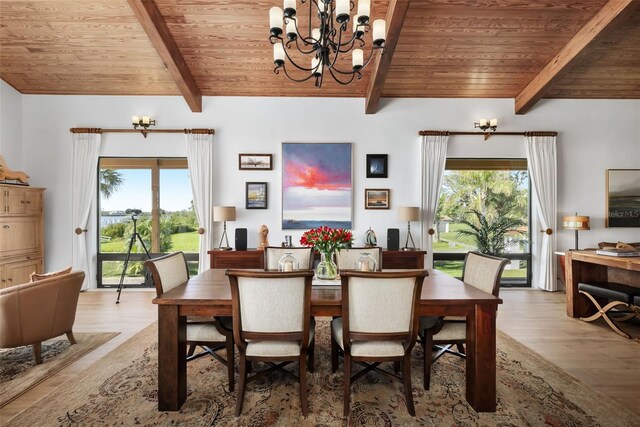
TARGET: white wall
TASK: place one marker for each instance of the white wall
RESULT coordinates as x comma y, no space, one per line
593,135
11,126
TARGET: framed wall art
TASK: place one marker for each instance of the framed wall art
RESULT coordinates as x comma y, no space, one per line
376,198
623,198
316,185
256,195
377,165
249,162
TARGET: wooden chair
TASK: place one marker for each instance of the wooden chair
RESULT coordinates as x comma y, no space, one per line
379,323
272,322
346,258
480,271
272,255
211,334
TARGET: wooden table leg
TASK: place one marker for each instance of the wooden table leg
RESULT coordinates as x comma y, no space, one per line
481,358
172,358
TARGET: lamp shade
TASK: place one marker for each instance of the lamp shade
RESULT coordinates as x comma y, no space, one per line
575,222
224,213
409,213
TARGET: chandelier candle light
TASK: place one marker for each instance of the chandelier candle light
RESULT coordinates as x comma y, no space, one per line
324,41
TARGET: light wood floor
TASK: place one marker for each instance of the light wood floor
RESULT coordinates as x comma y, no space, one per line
590,352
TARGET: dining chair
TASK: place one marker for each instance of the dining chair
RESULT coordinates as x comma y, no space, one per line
346,258
272,255
480,271
379,323
272,322
211,334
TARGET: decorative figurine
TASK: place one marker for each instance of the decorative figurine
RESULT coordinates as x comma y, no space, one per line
263,240
370,239
8,174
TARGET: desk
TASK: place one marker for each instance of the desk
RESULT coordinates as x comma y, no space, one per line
587,266
209,294
255,259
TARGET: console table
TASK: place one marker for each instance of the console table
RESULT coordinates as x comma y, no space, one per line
254,258
587,266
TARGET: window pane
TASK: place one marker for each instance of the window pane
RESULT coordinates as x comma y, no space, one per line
120,190
485,209
177,216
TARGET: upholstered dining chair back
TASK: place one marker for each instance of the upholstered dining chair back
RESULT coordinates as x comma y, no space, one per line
382,302
271,301
346,258
272,322
272,255
483,271
168,271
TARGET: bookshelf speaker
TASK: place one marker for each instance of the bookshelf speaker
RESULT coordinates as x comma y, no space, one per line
241,239
393,239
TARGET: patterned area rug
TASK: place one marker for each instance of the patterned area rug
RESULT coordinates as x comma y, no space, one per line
19,373
121,390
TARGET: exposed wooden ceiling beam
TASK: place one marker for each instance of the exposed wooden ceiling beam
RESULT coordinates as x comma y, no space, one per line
395,18
611,14
156,28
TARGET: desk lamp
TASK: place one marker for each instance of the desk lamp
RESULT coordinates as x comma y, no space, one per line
224,213
575,223
409,214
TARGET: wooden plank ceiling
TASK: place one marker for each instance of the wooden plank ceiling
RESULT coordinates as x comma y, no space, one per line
446,48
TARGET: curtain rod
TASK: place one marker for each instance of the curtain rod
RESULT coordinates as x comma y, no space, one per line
143,131
485,134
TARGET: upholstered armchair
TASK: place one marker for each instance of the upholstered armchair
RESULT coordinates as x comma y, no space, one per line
272,322
34,312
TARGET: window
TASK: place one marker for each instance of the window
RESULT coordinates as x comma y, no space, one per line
485,206
154,195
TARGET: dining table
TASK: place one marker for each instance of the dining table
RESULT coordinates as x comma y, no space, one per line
209,294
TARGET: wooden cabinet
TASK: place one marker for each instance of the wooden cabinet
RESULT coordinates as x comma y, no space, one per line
255,259
21,233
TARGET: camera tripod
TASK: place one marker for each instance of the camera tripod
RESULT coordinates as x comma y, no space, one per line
135,235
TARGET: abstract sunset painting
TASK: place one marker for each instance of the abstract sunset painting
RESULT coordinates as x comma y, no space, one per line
316,185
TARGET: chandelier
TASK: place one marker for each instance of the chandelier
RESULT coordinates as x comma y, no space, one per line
325,40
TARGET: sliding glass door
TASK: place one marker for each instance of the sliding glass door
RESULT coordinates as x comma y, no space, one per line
485,206
143,203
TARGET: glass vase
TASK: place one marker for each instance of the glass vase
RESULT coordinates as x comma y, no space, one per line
327,268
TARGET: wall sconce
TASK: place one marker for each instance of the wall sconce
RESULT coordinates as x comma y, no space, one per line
575,223
485,124
144,122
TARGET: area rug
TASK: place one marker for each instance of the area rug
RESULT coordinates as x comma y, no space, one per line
19,373
121,389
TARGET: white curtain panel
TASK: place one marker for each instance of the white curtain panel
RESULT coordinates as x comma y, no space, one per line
542,165
84,170
434,156
200,160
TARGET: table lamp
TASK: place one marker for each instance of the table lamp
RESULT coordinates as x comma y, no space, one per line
409,214
224,213
575,223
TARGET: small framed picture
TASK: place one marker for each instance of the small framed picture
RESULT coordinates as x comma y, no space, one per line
256,195
376,198
377,165
255,161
